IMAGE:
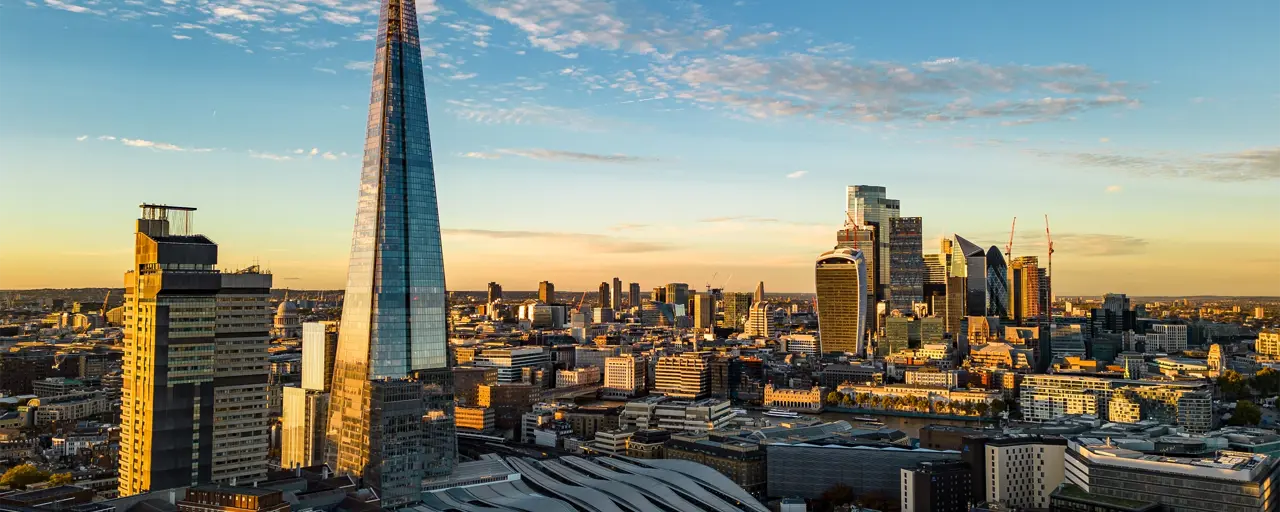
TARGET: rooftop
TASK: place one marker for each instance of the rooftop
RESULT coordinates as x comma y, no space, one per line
1076,493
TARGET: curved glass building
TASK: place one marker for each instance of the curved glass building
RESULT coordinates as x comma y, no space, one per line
840,277
997,284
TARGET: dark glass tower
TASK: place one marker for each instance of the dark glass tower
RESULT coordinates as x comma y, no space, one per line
391,414
997,284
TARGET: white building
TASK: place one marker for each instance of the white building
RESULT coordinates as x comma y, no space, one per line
800,344
511,361
589,375
949,379
624,376
676,415
684,376
1023,472
1167,338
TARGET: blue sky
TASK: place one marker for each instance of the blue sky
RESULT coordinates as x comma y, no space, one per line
576,140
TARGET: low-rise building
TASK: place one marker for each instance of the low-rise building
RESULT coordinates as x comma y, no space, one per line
612,442
676,415
949,379
741,461
809,399
937,486
475,419
584,376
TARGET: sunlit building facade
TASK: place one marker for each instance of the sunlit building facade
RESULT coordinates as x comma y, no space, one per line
839,275
906,263
390,416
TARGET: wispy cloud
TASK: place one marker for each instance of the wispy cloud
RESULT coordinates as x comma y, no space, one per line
481,156
1259,164
574,156
524,114
325,70
1114,189
236,13
148,144
797,174
359,65
340,18
593,242
462,76
270,156
58,4
181,37
82,138
227,38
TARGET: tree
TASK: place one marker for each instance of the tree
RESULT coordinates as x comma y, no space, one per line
833,398
1231,384
836,495
1246,413
60,479
981,408
1266,381
22,476
998,406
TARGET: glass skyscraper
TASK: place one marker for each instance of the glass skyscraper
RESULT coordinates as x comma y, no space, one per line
392,343
839,275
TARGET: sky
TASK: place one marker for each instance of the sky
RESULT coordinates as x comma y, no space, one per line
578,140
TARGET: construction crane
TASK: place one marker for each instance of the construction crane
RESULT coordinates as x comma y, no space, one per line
582,300
713,279
1048,273
850,229
1008,248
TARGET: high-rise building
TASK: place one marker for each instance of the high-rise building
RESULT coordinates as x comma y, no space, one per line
391,410
195,340
997,284
659,294
1268,344
546,292
495,292
839,276
1024,289
759,296
633,295
758,322
957,303
624,376
736,309
937,486
868,206
615,295
1024,471
906,263
305,409
970,261
678,293
604,295
704,311
684,376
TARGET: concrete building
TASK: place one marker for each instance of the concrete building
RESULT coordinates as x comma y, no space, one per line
633,295
1268,344
1225,481
1024,471
304,410
494,293
807,469
759,325
676,415
588,376
624,376
949,379
808,400
1187,404
800,344
937,486
741,461
546,292
840,278
1167,339
219,498
684,376
704,312
511,361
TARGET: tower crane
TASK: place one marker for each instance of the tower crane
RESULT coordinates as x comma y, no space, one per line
1008,248
1048,273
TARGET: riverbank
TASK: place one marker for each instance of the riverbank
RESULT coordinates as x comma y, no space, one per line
909,414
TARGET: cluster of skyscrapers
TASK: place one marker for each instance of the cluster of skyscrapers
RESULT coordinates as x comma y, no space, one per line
878,269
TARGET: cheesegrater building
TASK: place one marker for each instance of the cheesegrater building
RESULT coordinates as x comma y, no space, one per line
390,416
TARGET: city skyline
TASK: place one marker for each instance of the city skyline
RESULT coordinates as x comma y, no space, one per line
1113,138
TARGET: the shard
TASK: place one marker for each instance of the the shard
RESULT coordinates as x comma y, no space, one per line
391,410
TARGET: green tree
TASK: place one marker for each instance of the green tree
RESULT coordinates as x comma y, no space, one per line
981,408
1246,413
998,406
1231,384
833,398
1266,381
60,479
22,476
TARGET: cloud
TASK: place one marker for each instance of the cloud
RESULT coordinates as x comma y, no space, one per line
235,13
628,227
797,174
1114,189
340,18
359,65
270,156
593,242
142,143
754,40
57,4
523,114
316,44
1104,140
481,156
82,138
325,70
329,156
227,38
462,76
1259,164
181,37
1092,244
573,156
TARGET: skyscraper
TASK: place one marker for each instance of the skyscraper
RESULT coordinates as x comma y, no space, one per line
868,205
759,296
390,413
495,292
633,295
704,312
615,294
842,306
906,263
970,261
305,408
678,293
194,338
1024,289
736,308
604,295
546,292
997,284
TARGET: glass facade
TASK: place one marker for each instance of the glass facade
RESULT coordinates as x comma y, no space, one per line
394,311
906,263
997,285
839,275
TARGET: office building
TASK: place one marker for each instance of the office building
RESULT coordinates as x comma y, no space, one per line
633,295
906,263
615,294
867,206
937,486
704,312
737,307
1167,339
508,402
305,409
661,412
997,285
495,292
683,376
806,400
759,294
546,292
741,461
624,376
839,277
956,304
659,294
604,294
220,498
1024,289
474,419
511,362
863,238
1227,481
807,468
1268,344
1024,471
319,345
1186,404
589,376
195,342
393,361
677,293
759,323
970,262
